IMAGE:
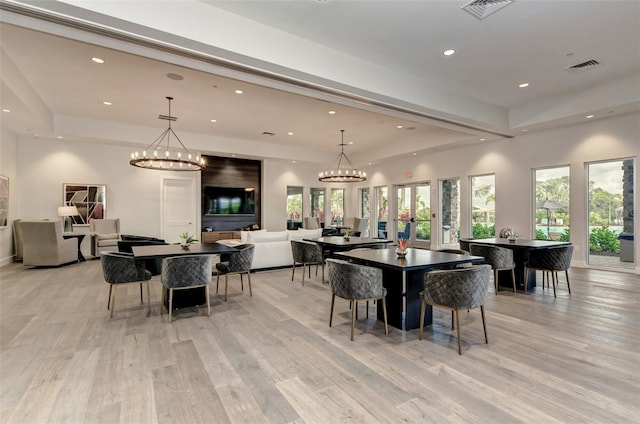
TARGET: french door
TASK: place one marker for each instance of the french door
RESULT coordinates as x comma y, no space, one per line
413,214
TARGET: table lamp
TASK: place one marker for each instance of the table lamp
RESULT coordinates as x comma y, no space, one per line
67,212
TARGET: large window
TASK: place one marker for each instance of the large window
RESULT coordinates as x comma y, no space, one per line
294,207
317,203
450,211
381,209
363,206
337,206
551,212
483,206
611,206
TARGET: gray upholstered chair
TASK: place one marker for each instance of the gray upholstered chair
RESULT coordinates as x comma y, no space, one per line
17,239
307,254
43,244
500,258
311,222
185,272
356,283
550,261
238,263
464,245
455,289
121,268
105,234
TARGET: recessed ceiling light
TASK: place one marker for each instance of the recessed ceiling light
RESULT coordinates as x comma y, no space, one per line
290,133
332,112
214,120
525,130
399,126
175,77
97,60
107,103
415,154
523,85
370,163
351,142
233,156
293,161
60,137
238,91
483,139
6,110
589,116
449,52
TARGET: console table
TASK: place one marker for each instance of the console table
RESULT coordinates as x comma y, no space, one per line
79,237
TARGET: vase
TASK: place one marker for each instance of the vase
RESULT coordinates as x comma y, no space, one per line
185,246
401,252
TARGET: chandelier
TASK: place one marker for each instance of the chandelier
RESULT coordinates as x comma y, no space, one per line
342,170
159,156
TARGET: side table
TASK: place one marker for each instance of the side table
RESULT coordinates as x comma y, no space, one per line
79,237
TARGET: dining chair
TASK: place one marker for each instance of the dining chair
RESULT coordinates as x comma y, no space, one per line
455,289
307,254
356,283
500,258
238,263
550,262
120,268
182,273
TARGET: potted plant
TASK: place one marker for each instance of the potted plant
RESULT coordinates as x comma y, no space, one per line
186,239
348,234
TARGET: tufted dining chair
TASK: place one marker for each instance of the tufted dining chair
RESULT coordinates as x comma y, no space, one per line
307,254
550,261
120,268
238,263
455,289
185,272
500,258
356,283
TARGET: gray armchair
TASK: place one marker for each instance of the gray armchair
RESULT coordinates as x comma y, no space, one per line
550,261
105,234
307,254
43,244
238,263
499,258
185,272
119,268
455,289
356,283
311,222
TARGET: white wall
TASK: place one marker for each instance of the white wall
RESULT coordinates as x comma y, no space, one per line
8,168
134,194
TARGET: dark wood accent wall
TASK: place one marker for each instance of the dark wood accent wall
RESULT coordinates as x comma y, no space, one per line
232,172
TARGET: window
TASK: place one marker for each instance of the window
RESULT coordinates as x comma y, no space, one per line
363,206
317,203
450,210
483,206
337,206
381,208
551,212
294,207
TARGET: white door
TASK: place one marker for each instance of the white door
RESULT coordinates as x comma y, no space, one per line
178,209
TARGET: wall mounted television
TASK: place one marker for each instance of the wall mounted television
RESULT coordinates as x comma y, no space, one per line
223,201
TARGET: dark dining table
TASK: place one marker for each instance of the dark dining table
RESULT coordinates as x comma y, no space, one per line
334,244
183,298
521,249
404,279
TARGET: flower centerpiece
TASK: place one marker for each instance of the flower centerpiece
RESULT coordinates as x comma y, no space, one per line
186,239
347,235
401,250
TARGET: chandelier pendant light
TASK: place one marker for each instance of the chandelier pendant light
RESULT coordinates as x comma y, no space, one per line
342,170
159,155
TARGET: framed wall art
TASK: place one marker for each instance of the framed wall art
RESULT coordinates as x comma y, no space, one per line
89,199
4,201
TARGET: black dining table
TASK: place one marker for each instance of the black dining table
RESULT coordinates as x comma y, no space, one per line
334,244
404,279
521,249
190,297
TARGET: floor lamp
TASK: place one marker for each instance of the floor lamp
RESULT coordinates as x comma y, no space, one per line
67,212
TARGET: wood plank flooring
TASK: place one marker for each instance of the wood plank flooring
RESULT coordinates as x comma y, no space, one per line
272,358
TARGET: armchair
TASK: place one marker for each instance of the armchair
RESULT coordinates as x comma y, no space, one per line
43,244
105,234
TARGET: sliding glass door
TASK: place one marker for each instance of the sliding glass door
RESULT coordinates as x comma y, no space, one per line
413,214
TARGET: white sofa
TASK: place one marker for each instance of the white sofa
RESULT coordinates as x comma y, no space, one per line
272,248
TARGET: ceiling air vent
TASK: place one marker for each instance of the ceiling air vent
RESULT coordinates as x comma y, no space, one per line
483,8
270,134
584,66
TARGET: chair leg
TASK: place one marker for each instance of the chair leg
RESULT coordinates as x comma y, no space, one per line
513,278
422,311
241,283
458,330
293,271
566,273
309,266
323,274
526,279
353,317
113,298
495,280
226,285
304,266
249,278
384,314
206,290
367,309
164,296
553,282
109,298
141,301
217,281
148,299
170,304
453,326
484,325
333,301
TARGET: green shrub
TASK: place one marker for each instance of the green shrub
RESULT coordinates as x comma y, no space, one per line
565,235
540,235
603,240
482,231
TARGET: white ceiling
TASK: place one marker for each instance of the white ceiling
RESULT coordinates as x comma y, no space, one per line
348,49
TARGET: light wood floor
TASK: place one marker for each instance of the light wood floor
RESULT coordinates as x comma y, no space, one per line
272,358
